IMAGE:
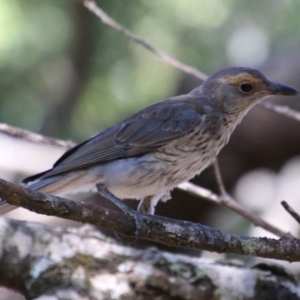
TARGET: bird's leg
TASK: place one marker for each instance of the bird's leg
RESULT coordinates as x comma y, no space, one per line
127,210
146,206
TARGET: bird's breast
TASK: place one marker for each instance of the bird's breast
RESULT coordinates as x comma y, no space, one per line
165,168
190,155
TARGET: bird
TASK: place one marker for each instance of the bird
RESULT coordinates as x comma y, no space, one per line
148,154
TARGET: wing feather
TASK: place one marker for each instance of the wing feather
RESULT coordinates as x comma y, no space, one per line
145,131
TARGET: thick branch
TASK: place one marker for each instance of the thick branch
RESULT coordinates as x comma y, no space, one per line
170,232
81,263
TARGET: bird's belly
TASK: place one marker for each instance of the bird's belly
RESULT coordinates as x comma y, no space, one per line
153,174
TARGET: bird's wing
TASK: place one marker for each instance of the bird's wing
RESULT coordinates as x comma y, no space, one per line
145,131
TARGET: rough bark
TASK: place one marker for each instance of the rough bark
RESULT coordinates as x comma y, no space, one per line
47,263
171,232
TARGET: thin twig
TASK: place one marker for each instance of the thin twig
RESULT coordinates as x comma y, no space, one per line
199,192
291,211
231,204
219,178
33,137
283,110
164,57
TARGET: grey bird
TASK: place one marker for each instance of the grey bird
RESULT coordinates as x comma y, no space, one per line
162,145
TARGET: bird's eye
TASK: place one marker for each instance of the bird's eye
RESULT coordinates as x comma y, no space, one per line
246,87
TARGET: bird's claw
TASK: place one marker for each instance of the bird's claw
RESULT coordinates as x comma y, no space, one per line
127,210
209,235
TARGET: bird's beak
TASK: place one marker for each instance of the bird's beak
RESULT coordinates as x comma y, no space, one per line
277,88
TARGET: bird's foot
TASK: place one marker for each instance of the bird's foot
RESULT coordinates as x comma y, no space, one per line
127,210
208,233
147,205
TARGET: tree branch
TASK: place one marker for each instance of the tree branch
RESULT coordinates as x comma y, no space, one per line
33,137
167,231
231,204
282,110
164,57
291,211
37,260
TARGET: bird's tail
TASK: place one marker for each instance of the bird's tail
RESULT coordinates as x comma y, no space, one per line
39,184
58,185
5,207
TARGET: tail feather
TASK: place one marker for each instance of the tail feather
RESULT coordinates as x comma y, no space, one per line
5,207
40,184
34,177
59,185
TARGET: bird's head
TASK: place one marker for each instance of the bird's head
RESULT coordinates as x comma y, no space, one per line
240,88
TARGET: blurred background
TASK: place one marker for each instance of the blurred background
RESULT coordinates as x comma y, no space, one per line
65,74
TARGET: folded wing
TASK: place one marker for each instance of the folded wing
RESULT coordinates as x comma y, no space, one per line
145,131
